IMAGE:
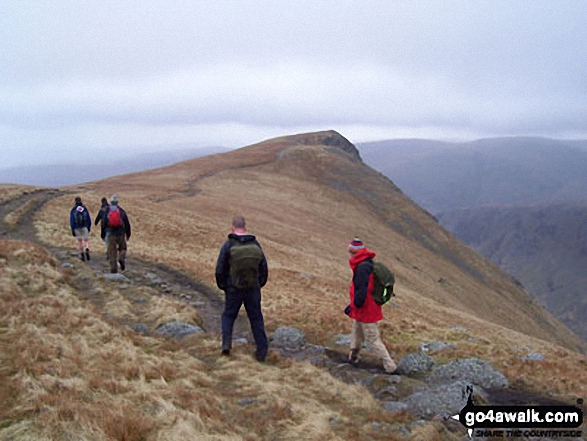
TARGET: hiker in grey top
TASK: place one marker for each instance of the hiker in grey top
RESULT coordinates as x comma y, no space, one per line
241,272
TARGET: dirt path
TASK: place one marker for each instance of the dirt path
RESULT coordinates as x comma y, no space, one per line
166,280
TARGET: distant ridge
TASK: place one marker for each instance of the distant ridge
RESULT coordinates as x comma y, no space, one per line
307,194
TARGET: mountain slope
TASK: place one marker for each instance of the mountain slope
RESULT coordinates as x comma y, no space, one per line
444,176
543,245
305,196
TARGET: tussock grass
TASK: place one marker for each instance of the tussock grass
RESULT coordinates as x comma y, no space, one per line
69,373
304,225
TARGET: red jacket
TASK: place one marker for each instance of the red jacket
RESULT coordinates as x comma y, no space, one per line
363,307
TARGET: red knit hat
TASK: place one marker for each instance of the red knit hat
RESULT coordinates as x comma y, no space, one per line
356,245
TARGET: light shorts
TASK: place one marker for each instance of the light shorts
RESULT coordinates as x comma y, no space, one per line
81,233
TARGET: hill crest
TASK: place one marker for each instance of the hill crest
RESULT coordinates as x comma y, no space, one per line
306,195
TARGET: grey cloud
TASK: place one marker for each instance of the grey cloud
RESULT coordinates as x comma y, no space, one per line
92,71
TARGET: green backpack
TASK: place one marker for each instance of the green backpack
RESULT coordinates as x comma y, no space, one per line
383,286
244,264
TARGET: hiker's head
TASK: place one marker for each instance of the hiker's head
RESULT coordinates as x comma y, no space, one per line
239,224
356,245
104,201
114,199
78,201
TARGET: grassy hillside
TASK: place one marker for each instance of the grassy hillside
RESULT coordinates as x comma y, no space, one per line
70,368
305,197
69,371
542,245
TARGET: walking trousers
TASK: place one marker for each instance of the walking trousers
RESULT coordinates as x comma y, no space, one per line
251,298
369,332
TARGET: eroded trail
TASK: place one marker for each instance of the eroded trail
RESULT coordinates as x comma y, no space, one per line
16,222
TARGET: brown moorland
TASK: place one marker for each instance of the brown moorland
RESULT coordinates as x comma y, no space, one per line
304,197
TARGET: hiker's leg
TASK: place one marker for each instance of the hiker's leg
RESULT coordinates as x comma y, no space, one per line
232,304
106,236
374,339
112,253
122,254
357,337
255,315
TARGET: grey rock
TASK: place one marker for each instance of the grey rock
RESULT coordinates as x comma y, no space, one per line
395,406
154,278
415,363
471,370
460,329
343,339
306,276
67,265
312,354
177,330
288,338
140,328
444,400
116,277
432,347
534,356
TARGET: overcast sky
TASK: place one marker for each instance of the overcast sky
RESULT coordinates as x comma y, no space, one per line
80,77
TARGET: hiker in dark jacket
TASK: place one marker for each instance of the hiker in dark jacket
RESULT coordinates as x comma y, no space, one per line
241,272
363,309
81,224
101,219
118,232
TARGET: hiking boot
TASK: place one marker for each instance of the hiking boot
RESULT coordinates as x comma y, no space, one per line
225,352
122,266
260,357
87,253
83,257
354,357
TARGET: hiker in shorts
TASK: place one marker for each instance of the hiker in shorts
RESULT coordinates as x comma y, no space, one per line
363,309
117,232
101,219
81,224
241,272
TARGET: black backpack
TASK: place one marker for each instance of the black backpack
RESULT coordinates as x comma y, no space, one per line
245,258
79,218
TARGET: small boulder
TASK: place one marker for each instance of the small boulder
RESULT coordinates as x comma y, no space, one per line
415,363
471,370
291,339
177,330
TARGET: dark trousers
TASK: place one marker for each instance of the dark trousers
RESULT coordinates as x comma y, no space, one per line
116,251
252,301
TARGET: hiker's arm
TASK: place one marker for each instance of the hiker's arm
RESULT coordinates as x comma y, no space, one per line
361,281
71,224
263,271
222,268
126,225
98,217
88,221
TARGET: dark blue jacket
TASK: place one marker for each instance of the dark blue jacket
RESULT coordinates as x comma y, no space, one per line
86,214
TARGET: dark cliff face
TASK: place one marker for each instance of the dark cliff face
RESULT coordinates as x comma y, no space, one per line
331,139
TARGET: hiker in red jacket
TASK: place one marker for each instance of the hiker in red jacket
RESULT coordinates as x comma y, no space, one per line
363,309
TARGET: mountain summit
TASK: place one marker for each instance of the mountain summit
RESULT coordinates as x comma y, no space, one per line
305,196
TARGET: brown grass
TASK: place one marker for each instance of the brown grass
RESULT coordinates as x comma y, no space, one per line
180,216
66,372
